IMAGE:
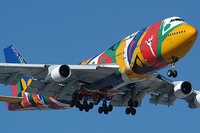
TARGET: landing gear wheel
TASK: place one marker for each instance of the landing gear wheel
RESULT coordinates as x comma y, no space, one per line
135,104
175,73
110,108
100,110
80,97
133,111
172,73
128,111
77,103
169,73
72,103
81,107
91,105
74,95
105,110
87,108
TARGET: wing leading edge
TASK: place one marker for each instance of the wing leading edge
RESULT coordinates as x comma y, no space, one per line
11,73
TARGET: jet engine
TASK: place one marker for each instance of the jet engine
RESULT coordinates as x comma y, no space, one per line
58,73
197,100
182,89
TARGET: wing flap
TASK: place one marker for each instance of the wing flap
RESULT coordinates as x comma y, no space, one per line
164,99
117,100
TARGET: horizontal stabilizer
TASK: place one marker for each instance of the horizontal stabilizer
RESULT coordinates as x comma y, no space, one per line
11,99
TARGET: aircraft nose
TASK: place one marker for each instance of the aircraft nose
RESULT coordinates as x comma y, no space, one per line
183,40
192,32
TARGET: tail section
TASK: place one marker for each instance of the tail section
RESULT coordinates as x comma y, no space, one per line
22,100
14,102
12,55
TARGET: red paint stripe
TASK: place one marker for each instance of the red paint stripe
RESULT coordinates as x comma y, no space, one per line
54,104
14,89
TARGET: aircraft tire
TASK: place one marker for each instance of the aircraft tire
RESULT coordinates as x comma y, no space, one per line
86,109
169,73
135,104
110,108
100,110
91,105
128,111
74,95
175,73
105,111
133,111
77,103
80,96
72,103
81,108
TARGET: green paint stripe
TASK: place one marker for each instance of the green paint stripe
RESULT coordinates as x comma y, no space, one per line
160,41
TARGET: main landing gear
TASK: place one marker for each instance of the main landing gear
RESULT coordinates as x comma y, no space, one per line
76,98
131,107
81,102
104,108
173,72
132,104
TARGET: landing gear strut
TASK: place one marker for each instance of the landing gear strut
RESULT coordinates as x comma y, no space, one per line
132,105
76,98
104,108
173,72
86,106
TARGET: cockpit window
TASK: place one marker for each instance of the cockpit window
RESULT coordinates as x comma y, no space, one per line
176,19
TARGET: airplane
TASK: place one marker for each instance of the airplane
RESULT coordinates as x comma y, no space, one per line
120,76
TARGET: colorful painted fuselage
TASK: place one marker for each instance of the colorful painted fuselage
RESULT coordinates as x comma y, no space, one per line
138,55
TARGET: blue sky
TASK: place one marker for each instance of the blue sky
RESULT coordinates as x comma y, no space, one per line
50,31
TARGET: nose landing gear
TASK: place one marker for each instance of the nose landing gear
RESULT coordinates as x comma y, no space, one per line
173,72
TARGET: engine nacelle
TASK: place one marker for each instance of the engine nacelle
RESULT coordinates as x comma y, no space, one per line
197,100
58,73
182,89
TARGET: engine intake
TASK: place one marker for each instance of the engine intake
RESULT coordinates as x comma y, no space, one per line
182,89
58,73
64,71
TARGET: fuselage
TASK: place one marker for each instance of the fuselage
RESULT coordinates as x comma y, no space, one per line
146,51
138,56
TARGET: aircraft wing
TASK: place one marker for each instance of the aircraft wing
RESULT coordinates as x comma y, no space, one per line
43,75
160,89
11,73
